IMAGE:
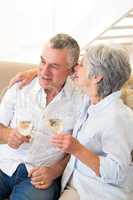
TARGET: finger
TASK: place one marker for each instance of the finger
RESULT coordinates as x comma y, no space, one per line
59,136
21,137
36,178
18,141
59,145
17,78
32,171
27,139
37,182
36,173
23,83
14,146
12,82
14,142
43,186
56,141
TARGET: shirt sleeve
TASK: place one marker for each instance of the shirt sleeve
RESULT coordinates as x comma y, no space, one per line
114,165
7,105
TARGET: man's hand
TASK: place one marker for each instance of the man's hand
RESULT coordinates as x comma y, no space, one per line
15,139
24,78
42,177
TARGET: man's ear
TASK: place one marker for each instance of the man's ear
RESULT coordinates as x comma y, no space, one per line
72,69
97,79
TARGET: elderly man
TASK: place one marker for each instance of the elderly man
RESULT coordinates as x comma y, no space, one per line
26,173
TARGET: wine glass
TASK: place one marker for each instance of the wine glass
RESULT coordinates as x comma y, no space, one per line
55,124
25,128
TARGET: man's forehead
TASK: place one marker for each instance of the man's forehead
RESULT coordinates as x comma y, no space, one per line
48,47
53,54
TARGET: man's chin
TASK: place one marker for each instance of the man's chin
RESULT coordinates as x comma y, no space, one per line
45,84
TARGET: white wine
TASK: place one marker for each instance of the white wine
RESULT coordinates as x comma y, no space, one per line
25,128
56,125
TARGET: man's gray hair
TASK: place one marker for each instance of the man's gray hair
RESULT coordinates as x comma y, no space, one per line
65,41
110,62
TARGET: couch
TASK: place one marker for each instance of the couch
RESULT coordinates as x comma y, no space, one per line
9,69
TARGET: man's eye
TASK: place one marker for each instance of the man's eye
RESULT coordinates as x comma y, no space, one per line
53,66
43,62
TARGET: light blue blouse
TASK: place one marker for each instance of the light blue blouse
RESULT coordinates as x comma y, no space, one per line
108,132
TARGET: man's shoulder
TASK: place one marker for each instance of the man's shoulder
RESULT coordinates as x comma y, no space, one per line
72,90
27,88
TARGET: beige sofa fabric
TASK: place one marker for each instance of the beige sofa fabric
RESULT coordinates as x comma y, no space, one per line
9,69
127,92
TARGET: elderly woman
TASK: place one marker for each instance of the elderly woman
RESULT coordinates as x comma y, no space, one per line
100,166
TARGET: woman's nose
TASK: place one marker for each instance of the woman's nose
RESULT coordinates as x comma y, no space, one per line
76,67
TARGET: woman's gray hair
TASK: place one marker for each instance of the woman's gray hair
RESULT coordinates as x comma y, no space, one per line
112,63
65,41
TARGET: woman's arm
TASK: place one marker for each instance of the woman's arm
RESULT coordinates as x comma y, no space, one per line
24,77
71,145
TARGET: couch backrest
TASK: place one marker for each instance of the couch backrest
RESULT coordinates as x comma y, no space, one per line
9,69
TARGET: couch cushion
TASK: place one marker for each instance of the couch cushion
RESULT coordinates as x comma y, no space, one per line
9,69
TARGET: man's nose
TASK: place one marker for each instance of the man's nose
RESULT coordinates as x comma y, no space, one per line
45,68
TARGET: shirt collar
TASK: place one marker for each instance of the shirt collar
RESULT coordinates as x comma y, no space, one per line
66,90
37,87
104,102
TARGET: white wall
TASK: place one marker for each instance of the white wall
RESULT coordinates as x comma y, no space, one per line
25,24
104,13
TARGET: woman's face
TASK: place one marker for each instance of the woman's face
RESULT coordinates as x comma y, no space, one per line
81,75
82,79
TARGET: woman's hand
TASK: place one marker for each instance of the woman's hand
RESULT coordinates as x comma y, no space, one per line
66,143
71,145
24,77
42,177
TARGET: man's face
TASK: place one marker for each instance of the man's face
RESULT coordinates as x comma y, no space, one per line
53,70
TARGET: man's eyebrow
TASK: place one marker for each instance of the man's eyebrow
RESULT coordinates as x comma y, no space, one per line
42,58
56,64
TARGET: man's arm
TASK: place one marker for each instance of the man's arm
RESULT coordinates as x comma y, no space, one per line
7,108
4,133
43,177
11,137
